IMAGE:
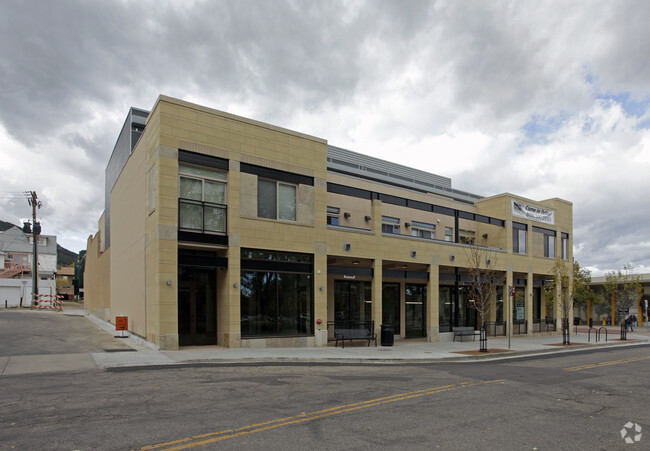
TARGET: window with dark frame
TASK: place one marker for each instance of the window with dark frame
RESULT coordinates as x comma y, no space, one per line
276,200
549,246
389,225
202,198
467,236
519,238
423,230
333,215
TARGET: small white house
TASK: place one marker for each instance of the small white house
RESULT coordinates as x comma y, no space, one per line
16,263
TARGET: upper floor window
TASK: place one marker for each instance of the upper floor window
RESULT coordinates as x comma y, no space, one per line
467,236
423,230
565,246
276,200
549,246
449,234
42,241
202,198
389,225
519,238
333,215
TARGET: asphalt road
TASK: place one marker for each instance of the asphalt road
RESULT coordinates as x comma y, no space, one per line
26,332
570,401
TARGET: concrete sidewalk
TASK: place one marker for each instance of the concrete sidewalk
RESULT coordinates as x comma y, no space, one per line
144,354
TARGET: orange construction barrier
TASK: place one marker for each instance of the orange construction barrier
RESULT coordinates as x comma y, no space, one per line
48,302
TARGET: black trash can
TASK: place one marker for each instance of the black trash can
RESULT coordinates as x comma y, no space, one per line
576,321
387,335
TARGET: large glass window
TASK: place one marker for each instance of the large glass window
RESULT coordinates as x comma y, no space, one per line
565,246
278,300
202,199
276,200
449,234
275,303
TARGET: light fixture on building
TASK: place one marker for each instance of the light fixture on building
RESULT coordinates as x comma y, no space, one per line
347,215
355,262
368,218
347,247
236,285
485,236
169,282
413,254
452,258
407,224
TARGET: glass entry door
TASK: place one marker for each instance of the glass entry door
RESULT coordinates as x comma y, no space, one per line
416,301
352,301
390,306
197,306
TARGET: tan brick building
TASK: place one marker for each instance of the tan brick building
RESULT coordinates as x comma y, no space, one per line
224,230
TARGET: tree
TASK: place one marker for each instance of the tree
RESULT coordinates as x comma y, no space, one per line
581,290
484,278
570,284
624,286
601,304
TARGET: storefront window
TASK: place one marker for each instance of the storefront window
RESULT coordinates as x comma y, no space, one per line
519,306
275,302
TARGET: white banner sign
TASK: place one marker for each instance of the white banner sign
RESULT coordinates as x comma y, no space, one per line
523,210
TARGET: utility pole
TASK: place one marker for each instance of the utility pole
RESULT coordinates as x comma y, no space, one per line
36,230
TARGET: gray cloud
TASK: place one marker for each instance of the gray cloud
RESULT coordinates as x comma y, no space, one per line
500,96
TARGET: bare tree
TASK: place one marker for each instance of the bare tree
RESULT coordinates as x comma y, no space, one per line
484,278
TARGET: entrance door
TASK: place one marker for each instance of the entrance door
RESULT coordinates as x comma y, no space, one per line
352,301
197,306
416,300
390,306
466,310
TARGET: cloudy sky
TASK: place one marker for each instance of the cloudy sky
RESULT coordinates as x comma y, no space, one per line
541,99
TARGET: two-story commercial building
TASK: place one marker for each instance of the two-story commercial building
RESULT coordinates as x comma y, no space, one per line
220,229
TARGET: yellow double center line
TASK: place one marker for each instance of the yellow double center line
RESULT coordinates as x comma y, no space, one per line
612,362
212,437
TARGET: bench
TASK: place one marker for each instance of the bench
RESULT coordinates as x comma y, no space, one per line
465,332
353,330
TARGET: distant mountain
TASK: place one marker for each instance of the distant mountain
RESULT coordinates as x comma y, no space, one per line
64,257
4,225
